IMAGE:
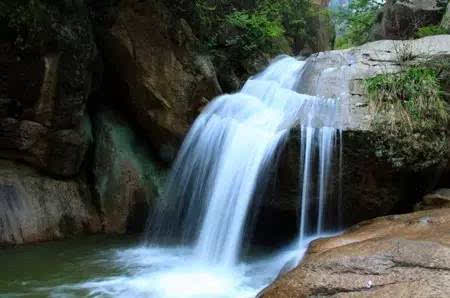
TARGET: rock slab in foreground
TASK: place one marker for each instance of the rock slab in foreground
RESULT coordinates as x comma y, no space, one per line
394,256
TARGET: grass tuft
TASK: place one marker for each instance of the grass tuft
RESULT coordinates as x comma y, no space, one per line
411,116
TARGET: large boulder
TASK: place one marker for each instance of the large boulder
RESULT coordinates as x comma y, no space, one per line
394,256
127,179
373,184
46,61
164,81
37,208
400,19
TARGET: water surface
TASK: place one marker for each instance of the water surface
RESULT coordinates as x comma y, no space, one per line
122,267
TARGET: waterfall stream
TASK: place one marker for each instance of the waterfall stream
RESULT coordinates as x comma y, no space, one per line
227,150
195,237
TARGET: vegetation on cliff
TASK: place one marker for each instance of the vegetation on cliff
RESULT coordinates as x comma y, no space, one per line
355,22
242,35
431,30
251,26
411,115
37,26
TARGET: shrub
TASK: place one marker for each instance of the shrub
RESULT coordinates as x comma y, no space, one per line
258,31
39,25
411,116
431,30
356,22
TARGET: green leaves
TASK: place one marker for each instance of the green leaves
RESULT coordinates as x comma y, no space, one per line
431,30
357,19
257,29
411,116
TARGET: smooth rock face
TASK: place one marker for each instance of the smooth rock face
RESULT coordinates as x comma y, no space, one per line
127,179
395,256
402,18
36,208
167,83
371,186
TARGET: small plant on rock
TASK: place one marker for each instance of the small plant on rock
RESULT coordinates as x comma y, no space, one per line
411,116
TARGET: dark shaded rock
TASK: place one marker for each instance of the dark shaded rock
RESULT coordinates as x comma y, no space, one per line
127,179
404,255
437,199
402,18
60,152
45,85
36,208
149,49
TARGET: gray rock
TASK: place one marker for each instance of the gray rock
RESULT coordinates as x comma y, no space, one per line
372,186
36,208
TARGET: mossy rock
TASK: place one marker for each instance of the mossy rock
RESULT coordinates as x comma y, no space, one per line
127,178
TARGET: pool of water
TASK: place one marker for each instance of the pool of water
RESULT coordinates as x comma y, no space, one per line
108,267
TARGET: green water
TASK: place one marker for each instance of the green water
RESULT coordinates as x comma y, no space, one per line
106,267
35,270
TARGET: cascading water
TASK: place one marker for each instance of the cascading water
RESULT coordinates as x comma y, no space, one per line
196,234
222,158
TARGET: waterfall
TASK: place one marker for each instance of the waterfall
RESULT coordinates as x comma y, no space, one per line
230,148
222,176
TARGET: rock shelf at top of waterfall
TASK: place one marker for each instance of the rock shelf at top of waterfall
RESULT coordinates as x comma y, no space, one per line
229,150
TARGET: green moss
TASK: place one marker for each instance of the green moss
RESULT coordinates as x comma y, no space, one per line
411,117
117,144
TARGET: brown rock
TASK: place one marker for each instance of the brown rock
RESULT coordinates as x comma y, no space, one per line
167,83
395,256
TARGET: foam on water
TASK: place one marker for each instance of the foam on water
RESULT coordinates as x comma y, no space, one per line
174,272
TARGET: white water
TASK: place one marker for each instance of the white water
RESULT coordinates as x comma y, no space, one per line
197,234
229,148
319,136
